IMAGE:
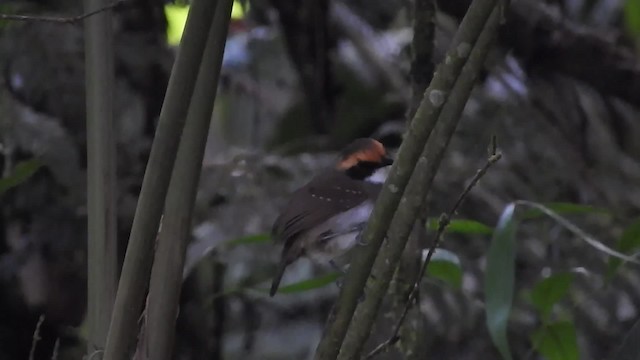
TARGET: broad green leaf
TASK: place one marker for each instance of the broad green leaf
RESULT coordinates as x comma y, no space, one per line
583,235
176,20
563,208
239,10
250,240
550,291
632,17
500,279
176,14
557,341
462,226
445,266
630,347
20,173
628,243
311,284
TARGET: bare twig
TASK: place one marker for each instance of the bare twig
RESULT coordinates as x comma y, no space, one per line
62,20
36,338
56,349
443,222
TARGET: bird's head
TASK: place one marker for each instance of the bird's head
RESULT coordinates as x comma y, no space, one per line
365,159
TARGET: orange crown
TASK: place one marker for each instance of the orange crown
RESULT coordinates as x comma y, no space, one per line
361,150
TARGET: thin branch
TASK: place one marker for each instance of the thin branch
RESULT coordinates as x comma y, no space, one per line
443,222
56,349
36,338
61,20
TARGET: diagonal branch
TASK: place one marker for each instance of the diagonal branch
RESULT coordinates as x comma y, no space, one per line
62,20
442,225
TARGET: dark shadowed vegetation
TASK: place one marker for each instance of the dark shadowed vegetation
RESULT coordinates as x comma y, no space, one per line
146,153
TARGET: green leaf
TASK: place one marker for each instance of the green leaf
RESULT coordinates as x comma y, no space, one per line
632,17
176,16
462,226
550,291
310,284
557,341
563,208
445,266
250,240
630,347
499,279
20,173
629,242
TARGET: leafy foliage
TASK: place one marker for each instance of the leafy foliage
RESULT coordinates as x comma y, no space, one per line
554,339
310,284
462,226
628,243
550,291
500,279
176,20
176,14
557,341
445,266
21,173
632,17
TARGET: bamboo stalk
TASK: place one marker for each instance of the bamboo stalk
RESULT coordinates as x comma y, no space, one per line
414,195
410,151
101,174
137,263
413,346
166,275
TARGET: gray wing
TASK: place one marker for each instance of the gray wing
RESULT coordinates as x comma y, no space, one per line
316,202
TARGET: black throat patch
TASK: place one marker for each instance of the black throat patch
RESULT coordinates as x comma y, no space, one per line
363,169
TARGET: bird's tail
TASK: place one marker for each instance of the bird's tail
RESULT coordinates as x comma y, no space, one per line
277,277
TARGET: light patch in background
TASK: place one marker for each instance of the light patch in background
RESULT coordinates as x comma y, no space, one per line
177,19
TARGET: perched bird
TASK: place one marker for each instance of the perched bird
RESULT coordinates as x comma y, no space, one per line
324,218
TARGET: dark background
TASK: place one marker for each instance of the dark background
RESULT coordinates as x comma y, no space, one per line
560,91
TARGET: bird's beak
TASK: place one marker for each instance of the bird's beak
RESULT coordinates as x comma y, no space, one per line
386,161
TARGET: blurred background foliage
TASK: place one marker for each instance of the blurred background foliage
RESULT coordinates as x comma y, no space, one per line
300,79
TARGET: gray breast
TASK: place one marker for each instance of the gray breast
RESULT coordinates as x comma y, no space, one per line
337,235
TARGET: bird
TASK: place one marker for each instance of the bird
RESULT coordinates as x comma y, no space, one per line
323,219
